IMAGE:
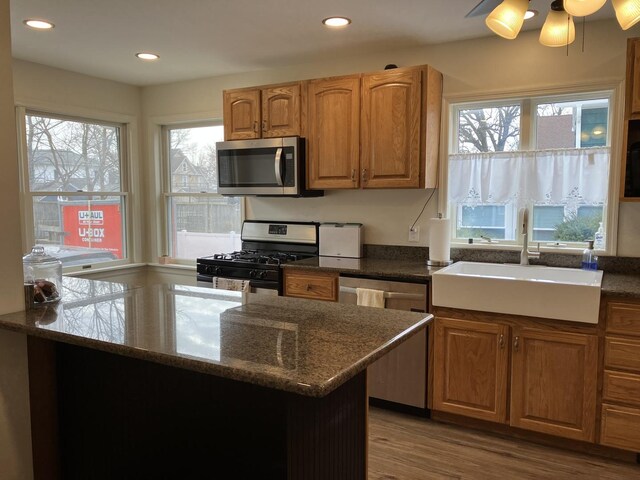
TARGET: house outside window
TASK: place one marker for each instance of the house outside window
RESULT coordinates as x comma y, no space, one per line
548,154
75,188
199,221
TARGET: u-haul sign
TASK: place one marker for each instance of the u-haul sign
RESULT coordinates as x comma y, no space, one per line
98,227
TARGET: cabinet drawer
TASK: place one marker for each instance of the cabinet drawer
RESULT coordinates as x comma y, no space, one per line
620,427
622,353
622,387
623,318
315,285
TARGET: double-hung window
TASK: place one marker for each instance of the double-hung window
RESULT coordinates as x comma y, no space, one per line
199,221
75,188
550,155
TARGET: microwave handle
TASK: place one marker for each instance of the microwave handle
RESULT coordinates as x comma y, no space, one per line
278,167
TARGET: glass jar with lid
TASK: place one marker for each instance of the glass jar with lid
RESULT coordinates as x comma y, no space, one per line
44,272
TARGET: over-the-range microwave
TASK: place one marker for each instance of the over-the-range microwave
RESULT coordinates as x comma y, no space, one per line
266,167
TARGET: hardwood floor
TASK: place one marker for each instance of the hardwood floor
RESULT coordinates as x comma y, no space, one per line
404,447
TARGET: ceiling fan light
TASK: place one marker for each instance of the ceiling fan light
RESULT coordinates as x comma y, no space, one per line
554,30
627,12
507,18
583,8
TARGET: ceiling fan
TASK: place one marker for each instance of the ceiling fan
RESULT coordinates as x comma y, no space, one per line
483,8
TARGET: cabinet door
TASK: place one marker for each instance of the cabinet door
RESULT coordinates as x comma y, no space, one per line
391,126
553,382
471,361
334,132
281,111
241,114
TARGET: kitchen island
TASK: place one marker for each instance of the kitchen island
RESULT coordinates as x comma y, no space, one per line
170,381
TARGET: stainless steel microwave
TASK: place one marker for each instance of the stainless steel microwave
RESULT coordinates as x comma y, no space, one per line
266,167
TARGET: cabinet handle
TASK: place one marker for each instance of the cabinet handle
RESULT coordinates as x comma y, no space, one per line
501,341
364,175
308,287
353,175
516,343
264,125
255,126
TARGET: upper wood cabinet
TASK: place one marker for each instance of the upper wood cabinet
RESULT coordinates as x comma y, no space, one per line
630,171
389,140
272,111
334,129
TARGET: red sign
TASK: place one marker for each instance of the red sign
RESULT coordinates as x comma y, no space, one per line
93,226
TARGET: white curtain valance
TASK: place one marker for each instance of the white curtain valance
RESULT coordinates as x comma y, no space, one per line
567,176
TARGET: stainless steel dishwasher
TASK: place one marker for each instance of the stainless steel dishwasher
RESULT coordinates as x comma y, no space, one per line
401,375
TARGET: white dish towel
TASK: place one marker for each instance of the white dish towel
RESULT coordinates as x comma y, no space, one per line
368,297
230,284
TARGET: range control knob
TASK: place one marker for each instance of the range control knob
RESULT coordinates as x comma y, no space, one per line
262,274
252,274
208,269
217,271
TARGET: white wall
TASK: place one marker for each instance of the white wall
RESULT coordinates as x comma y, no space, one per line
15,429
470,67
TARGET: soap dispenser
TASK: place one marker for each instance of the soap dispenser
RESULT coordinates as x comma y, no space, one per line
589,258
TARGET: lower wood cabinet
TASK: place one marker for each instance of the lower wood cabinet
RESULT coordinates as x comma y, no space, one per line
554,382
311,284
553,375
471,369
620,427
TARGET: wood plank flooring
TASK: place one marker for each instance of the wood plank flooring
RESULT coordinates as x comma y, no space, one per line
404,447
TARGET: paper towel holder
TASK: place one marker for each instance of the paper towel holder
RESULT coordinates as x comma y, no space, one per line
438,263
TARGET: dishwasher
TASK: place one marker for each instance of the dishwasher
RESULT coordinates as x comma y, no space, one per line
401,375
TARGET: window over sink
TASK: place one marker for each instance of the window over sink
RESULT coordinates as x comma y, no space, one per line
551,154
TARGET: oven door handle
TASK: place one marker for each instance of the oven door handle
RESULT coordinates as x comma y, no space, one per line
278,167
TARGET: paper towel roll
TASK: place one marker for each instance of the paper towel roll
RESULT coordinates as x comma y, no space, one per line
439,239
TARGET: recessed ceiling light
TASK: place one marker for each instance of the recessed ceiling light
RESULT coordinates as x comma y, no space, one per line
38,24
336,21
530,14
147,56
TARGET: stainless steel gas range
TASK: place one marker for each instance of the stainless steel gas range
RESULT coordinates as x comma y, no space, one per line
266,246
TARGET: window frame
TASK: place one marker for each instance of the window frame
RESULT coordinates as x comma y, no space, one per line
529,99
166,194
127,147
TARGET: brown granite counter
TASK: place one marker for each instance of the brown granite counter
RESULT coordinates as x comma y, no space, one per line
414,270
621,285
301,346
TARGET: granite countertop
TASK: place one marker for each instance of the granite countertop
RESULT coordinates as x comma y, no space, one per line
302,346
613,283
415,270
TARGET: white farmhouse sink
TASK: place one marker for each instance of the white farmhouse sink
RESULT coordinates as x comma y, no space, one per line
567,294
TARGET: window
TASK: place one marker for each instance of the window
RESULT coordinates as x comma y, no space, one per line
199,221
550,155
75,188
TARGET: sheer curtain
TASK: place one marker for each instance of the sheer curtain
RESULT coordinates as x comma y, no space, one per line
569,177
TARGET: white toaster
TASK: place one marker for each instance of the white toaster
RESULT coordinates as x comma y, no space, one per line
341,240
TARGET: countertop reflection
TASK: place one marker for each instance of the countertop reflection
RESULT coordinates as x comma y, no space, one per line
302,346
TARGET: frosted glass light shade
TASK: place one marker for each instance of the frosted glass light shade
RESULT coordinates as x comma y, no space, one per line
554,30
582,8
507,18
627,12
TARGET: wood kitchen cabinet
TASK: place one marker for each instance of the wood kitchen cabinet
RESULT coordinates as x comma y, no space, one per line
471,365
620,419
553,382
334,129
630,171
311,284
378,130
267,112
547,377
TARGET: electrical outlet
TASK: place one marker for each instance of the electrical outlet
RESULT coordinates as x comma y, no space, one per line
414,234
